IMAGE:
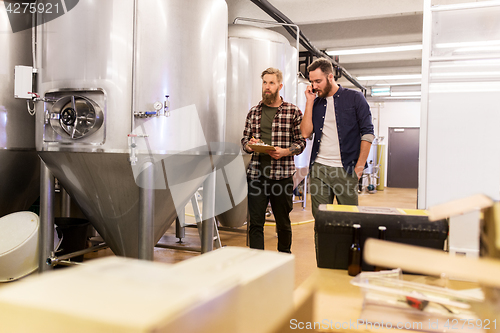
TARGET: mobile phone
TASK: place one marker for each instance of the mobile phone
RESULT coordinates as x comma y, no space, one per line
314,90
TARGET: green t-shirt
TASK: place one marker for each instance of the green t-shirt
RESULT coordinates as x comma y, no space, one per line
266,130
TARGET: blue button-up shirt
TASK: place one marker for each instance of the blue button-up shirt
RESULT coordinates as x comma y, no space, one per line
354,123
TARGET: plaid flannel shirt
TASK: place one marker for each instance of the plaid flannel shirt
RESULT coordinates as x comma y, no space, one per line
285,133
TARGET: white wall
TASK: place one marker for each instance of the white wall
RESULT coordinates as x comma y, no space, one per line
393,114
459,155
307,12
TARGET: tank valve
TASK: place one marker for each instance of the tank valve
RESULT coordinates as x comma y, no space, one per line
166,107
133,146
131,135
160,109
145,114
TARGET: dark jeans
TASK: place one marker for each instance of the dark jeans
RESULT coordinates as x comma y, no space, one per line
279,192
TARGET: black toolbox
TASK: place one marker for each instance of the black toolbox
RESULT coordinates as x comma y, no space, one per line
334,232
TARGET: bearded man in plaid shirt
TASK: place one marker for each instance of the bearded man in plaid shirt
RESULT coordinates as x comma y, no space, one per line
270,176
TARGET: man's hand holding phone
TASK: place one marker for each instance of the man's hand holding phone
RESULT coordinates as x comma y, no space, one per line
310,93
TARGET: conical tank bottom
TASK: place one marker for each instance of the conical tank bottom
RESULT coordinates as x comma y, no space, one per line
237,215
104,187
19,180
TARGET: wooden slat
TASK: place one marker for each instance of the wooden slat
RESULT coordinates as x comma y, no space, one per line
431,262
460,206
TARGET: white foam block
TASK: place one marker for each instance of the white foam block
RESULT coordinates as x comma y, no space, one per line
116,294
465,233
266,280
18,245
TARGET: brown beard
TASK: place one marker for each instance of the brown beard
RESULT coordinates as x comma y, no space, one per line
327,90
269,98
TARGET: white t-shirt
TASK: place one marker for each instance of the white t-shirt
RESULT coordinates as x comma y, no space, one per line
329,148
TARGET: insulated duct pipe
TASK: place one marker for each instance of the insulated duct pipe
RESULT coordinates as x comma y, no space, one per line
280,17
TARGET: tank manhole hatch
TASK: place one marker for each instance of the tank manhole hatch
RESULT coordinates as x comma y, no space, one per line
76,116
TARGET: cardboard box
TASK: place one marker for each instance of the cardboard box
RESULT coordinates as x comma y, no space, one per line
116,294
266,283
227,290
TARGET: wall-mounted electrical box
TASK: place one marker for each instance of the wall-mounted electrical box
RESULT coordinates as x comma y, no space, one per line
23,84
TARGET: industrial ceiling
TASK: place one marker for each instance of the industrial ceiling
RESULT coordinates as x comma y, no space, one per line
356,24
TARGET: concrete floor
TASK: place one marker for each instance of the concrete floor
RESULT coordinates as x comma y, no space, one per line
302,232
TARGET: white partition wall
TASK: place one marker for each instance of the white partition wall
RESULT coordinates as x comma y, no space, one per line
460,122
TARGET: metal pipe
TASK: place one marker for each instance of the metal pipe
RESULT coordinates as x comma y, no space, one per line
239,231
175,247
34,86
207,225
46,231
33,40
280,17
216,238
134,71
52,261
146,212
69,263
65,203
197,215
180,231
297,43
304,192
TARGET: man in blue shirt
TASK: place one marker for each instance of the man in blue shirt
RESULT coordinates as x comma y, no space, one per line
341,122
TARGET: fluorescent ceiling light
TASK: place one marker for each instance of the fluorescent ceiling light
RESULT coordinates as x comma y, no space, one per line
370,50
389,91
467,87
405,93
405,97
467,47
468,44
416,83
397,97
477,49
389,77
381,91
468,74
466,63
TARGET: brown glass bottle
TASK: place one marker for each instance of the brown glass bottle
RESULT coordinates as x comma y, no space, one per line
381,236
354,267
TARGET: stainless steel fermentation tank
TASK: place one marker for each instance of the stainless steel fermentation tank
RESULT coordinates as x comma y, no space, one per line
105,69
250,51
19,162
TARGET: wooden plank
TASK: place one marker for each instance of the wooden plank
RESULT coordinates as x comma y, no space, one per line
431,262
460,206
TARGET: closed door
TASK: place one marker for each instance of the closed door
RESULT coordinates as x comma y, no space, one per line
402,163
